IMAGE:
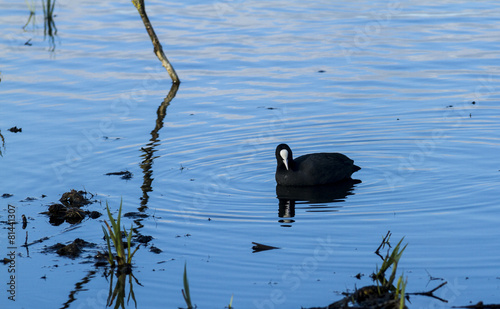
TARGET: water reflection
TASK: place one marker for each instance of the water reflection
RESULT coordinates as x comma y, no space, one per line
32,8
148,151
79,286
118,293
49,25
2,140
315,198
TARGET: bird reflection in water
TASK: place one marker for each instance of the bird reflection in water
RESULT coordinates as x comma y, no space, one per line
315,198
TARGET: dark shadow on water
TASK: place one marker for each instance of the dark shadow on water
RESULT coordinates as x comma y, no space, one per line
148,152
312,198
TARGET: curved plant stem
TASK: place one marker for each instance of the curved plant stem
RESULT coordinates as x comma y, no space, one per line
158,49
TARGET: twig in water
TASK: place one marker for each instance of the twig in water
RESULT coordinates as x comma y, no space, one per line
431,292
385,241
158,49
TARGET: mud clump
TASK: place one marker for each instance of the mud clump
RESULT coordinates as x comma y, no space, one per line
74,198
72,250
144,239
70,209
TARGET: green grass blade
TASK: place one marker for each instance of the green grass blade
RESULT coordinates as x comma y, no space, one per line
115,234
129,243
185,292
110,255
118,219
110,216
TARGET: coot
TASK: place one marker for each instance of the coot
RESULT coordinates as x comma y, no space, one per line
312,169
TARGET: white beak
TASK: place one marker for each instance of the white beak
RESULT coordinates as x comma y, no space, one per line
284,156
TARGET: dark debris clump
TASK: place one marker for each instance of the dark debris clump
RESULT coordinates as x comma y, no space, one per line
69,210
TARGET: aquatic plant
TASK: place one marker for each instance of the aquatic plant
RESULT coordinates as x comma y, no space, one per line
187,295
400,292
185,291
122,259
113,234
382,295
32,8
391,260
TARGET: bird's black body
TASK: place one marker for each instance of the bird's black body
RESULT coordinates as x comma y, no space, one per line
312,169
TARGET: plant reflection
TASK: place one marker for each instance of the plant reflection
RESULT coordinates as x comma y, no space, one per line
118,292
32,8
149,150
316,198
79,286
49,25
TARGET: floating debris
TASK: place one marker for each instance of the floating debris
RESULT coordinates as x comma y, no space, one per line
156,250
28,199
260,247
387,293
25,221
71,250
15,129
6,261
125,174
70,209
144,239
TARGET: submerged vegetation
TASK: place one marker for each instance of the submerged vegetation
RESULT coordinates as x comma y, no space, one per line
187,295
383,294
185,291
390,260
122,260
113,235
49,25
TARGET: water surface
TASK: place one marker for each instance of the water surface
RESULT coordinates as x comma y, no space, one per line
391,85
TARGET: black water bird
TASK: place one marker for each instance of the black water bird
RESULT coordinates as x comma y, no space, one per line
312,169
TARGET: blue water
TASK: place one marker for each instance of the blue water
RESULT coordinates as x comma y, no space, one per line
390,84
